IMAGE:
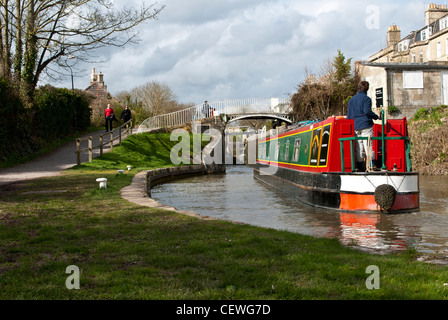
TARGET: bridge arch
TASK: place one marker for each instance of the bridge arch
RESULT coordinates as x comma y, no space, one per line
285,118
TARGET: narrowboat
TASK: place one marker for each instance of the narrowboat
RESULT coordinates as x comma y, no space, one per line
315,163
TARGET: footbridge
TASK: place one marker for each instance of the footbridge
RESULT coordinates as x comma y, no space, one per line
227,110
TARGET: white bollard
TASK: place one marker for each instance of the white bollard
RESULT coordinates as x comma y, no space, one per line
103,183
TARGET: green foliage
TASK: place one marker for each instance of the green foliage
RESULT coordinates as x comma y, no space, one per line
318,98
60,111
26,131
392,109
343,67
432,115
421,114
15,130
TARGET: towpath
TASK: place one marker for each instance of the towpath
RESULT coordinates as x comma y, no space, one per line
51,164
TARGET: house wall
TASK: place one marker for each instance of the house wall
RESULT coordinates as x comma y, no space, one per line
410,100
377,78
407,100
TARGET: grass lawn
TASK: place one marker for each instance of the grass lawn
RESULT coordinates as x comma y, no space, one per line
126,251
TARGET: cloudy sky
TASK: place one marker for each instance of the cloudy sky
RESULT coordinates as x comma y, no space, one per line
223,49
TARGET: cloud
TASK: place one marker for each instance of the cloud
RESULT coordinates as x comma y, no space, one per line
221,49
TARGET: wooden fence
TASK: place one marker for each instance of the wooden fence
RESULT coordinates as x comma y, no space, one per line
99,141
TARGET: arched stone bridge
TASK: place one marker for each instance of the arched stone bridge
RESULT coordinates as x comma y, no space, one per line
228,110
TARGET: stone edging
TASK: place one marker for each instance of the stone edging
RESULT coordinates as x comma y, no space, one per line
139,190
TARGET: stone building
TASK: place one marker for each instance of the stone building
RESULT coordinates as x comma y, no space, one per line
411,72
97,86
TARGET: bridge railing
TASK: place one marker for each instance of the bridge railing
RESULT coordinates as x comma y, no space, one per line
231,106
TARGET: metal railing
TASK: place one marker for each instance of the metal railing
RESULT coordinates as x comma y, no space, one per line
231,106
383,140
99,141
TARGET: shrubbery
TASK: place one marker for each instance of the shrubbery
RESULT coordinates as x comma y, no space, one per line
319,97
60,112
26,131
428,131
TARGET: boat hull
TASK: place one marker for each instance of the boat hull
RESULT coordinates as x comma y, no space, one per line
344,191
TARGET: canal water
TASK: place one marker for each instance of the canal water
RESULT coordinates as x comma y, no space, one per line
238,196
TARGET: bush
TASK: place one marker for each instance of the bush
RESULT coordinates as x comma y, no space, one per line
61,112
421,114
15,126
25,132
392,109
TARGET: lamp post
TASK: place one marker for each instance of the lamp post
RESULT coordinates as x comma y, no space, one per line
73,90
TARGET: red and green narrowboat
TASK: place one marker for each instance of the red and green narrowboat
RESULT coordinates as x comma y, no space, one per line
315,163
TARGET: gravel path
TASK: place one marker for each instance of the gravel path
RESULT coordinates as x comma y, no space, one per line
51,164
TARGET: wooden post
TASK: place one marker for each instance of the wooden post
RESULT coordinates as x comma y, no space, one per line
78,152
101,145
90,150
112,141
119,137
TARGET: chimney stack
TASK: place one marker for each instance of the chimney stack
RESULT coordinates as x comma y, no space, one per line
435,12
393,35
93,77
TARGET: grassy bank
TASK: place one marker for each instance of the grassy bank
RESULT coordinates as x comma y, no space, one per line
126,251
428,132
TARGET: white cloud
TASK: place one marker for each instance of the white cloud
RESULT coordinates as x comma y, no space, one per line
218,49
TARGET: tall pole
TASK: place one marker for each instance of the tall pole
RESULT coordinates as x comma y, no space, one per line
73,92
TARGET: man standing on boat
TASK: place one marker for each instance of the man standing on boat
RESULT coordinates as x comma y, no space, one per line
360,110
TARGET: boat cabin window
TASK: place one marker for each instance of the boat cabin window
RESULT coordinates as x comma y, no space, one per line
262,151
297,144
277,149
287,151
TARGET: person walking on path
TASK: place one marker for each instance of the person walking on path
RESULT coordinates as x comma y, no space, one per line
109,114
360,110
126,115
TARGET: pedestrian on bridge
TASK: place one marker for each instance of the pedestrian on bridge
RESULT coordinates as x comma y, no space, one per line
206,109
109,114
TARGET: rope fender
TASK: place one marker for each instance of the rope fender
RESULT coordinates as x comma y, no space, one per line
385,196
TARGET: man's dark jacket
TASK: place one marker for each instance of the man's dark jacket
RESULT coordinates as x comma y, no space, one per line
360,109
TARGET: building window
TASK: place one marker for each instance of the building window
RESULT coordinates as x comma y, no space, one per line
446,47
424,35
443,23
412,79
414,59
421,57
439,50
277,149
403,46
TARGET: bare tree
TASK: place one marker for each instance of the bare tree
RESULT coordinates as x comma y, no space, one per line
39,33
151,99
318,97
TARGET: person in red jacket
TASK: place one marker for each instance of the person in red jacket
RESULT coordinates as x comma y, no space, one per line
109,114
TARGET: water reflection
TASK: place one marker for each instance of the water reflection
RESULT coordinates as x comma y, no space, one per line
239,197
